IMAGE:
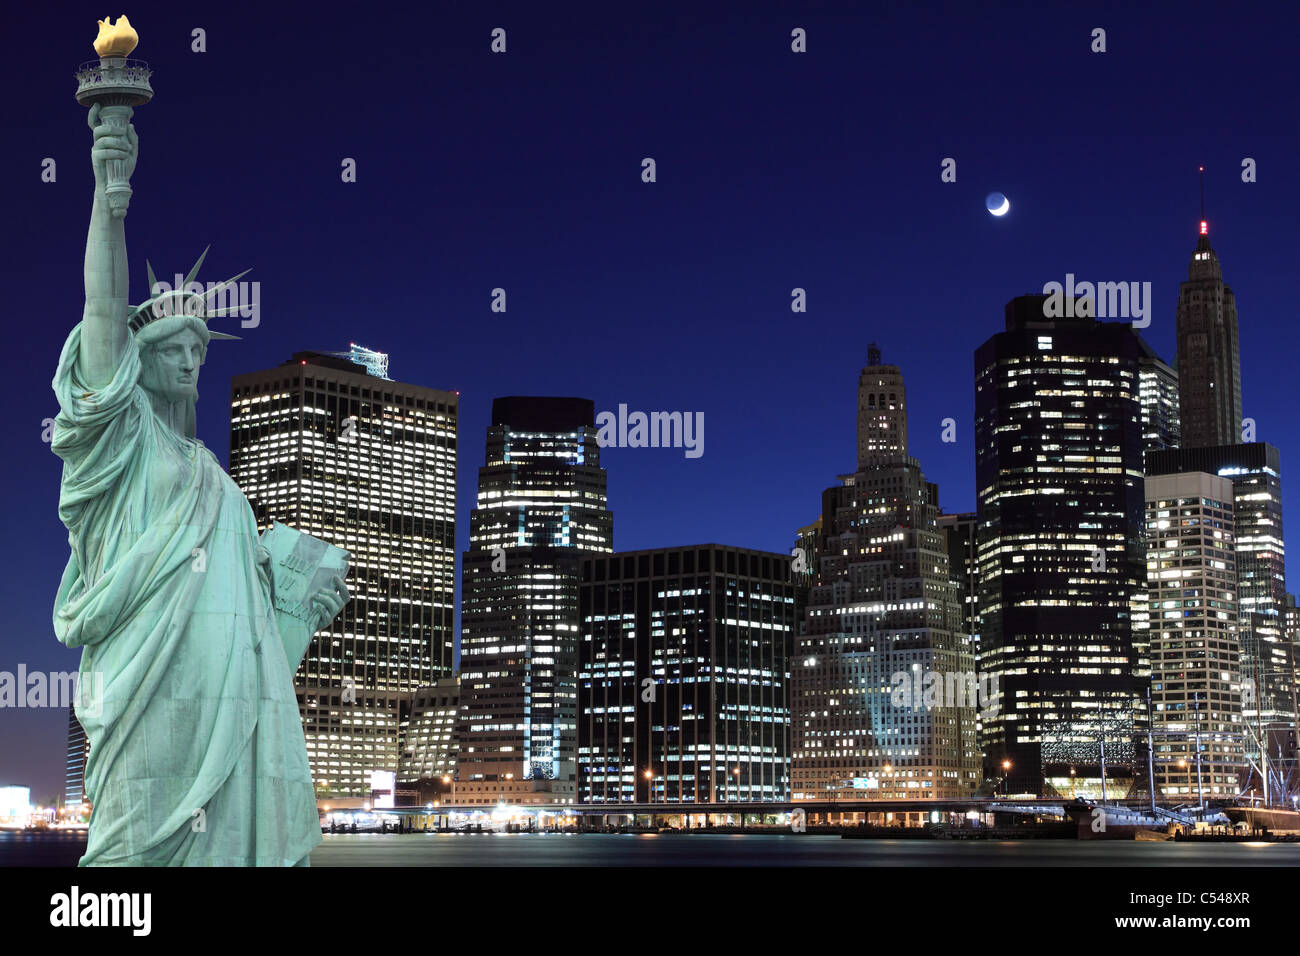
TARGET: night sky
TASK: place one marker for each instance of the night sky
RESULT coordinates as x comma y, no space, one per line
522,171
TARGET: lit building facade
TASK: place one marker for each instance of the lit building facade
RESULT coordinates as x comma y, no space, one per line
74,769
367,464
883,623
541,507
961,541
882,411
1058,468
682,679
1209,361
1195,658
427,730
1158,395
1267,650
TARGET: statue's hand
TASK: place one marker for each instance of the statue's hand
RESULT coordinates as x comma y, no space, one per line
329,600
110,145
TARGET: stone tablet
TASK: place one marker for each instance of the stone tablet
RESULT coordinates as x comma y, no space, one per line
301,565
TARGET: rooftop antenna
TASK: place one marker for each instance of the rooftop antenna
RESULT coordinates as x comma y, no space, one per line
1205,227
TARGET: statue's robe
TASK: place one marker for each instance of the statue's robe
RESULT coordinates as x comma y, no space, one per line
197,755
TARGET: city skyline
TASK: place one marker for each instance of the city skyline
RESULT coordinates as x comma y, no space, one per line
716,307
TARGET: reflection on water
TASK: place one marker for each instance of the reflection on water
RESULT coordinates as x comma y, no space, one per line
52,848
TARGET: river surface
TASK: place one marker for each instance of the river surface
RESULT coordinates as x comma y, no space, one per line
608,849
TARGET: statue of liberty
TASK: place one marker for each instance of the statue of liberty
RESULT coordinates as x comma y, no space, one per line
197,755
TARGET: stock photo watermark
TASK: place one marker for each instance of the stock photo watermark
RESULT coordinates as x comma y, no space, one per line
651,430
60,689
918,689
1101,300
243,299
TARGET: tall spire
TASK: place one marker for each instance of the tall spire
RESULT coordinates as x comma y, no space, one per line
1209,365
1203,243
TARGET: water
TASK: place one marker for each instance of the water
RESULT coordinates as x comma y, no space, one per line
609,849
53,848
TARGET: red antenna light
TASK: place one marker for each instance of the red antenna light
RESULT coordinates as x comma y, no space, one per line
1205,228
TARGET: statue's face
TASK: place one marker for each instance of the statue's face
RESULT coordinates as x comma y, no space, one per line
171,368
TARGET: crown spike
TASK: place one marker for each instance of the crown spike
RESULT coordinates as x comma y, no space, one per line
221,285
153,279
195,271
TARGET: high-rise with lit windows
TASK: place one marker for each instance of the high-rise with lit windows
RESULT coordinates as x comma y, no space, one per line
883,625
368,464
682,676
74,773
428,734
1158,395
541,507
882,411
1195,656
1267,651
1209,361
1058,468
960,537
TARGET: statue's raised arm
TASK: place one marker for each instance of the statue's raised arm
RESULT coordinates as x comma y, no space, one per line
104,330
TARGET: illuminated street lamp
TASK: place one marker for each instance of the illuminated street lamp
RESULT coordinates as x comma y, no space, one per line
1006,778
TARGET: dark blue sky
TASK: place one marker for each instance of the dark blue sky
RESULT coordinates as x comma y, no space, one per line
775,170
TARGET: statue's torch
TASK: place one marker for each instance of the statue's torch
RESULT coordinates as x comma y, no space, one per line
118,85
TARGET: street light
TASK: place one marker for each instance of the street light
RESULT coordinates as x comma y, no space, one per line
1006,778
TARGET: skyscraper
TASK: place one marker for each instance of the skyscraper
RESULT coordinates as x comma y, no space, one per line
1195,659
1158,394
1209,363
1267,651
961,537
882,411
682,681
541,507
428,734
1058,467
882,625
367,464
74,771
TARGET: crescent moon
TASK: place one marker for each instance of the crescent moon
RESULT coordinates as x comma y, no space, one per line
1002,210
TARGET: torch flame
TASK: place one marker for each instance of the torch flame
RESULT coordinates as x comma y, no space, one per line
116,39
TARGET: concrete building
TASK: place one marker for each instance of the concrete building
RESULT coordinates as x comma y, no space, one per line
1209,360
427,729
368,464
1267,650
882,625
1195,658
882,411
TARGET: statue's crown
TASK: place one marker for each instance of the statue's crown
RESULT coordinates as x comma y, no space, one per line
161,305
